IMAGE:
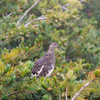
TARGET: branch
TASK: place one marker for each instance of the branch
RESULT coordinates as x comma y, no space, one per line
82,0
35,25
32,92
3,74
66,94
27,12
40,18
59,96
82,89
16,56
29,18
7,16
64,7
21,55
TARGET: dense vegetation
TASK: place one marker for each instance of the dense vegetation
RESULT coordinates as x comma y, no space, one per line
74,25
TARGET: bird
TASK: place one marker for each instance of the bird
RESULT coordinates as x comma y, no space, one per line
44,66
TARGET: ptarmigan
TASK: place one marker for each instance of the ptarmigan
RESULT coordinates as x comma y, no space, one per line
44,66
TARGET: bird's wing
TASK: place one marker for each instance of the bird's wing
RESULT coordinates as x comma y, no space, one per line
37,68
46,71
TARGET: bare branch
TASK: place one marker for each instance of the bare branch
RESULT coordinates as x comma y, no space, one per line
82,0
27,12
66,94
64,8
3,74
59,96
28,23
32,92
35,25
7,16
67,5
28,18
82,89
16,56
40,18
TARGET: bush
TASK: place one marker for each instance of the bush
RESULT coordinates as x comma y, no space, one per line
77,60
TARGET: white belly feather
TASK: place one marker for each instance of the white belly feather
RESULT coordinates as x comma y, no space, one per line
50,71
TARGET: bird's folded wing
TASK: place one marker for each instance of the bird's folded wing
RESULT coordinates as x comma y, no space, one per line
37,68
46,71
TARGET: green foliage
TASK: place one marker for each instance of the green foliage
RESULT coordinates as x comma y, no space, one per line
77,60
47,97
92,9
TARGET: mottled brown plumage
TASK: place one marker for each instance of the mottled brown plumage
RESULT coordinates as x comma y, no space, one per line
44,66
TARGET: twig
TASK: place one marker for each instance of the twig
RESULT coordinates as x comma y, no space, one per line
59,96
20,55
82,0
3,74
66,93
35,26
28,23
32,92
66,5
64,8
27,12
82,89
40,18
29,18
16,56
82,81
7,16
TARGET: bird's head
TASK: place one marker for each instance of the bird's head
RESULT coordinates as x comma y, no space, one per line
53,46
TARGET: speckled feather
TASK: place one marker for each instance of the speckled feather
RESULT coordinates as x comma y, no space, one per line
44,66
